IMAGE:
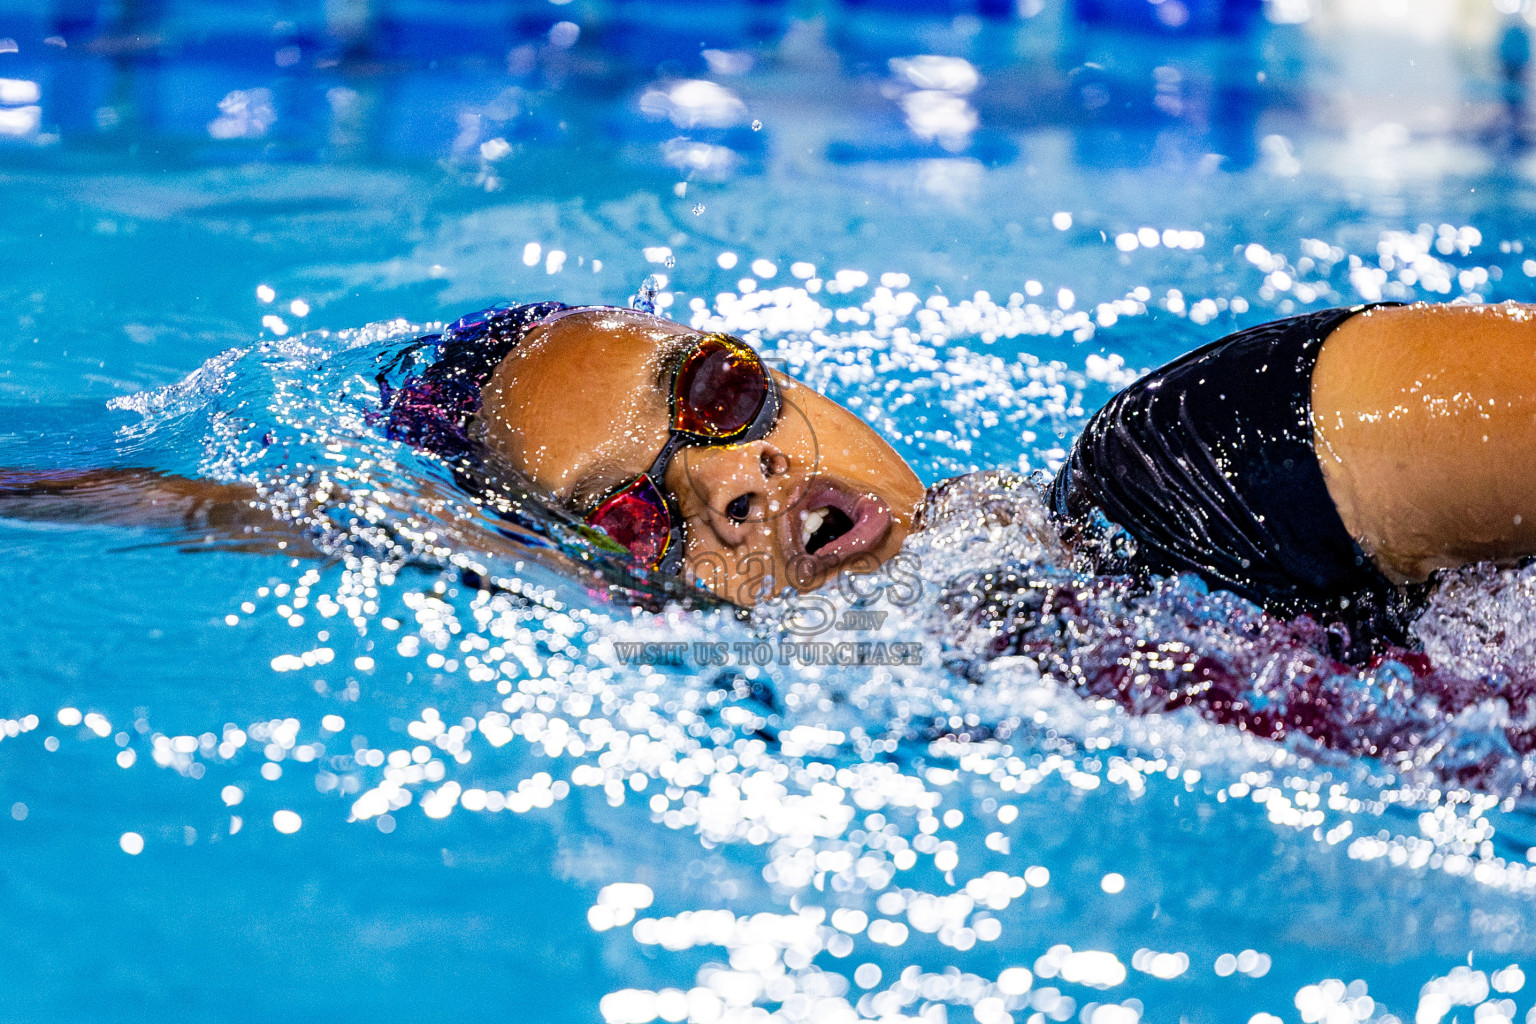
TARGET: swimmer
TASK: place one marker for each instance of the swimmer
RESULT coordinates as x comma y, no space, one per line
1325,464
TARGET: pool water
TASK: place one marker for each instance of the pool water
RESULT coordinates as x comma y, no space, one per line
238,784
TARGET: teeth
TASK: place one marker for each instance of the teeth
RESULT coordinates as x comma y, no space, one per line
813,521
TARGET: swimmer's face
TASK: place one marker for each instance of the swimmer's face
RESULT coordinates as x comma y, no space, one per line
581,408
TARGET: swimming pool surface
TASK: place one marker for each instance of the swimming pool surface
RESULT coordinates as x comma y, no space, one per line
246,786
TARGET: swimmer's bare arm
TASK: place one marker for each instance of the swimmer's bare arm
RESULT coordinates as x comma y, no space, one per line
207,513
1424,420
145,498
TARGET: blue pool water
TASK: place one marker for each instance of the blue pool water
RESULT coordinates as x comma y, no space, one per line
239,785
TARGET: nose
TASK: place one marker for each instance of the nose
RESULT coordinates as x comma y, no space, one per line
739,490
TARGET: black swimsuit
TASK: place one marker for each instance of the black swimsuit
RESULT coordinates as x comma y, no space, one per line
1208,464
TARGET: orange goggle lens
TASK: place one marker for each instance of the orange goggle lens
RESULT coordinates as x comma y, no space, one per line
719,391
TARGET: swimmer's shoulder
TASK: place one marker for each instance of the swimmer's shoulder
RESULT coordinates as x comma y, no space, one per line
1424,422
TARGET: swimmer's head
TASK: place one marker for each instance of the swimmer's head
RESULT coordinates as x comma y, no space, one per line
581,407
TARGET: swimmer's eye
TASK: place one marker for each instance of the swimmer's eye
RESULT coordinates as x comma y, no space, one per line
739,508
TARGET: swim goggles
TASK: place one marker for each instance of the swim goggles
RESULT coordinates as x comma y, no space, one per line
722,395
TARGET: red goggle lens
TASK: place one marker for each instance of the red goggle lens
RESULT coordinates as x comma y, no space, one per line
637,518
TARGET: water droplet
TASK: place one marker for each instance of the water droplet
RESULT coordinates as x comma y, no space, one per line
644,300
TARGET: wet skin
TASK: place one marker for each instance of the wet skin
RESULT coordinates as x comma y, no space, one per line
1424,420
581,407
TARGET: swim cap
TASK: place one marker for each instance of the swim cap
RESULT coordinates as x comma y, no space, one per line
432,411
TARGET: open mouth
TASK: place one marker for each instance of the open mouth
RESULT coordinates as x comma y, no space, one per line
836,525
822,527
